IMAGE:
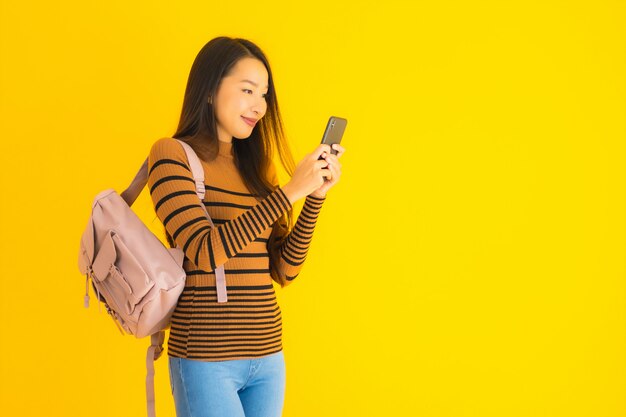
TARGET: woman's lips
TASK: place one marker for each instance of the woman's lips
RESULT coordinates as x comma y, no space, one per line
249,121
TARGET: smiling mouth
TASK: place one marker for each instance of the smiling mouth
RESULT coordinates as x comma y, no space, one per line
250,122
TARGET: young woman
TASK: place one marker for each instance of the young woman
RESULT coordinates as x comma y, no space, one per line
226,358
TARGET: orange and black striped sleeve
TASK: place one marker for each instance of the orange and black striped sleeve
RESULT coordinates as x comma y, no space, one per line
176,203
295,247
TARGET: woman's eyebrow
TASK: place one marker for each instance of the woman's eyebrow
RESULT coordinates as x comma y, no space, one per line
252,82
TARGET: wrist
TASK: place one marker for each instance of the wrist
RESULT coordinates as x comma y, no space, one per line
317,195
290,193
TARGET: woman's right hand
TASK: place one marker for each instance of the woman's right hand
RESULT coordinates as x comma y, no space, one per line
309,175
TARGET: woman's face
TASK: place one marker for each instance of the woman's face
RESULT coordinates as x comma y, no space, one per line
241,95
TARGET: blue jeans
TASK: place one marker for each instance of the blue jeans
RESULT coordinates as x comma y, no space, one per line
231,388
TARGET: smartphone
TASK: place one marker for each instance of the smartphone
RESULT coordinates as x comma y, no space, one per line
334,132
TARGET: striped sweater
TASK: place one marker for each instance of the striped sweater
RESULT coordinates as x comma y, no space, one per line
250,324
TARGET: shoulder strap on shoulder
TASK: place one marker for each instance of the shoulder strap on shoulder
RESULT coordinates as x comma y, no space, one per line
196,168
198,175
138,183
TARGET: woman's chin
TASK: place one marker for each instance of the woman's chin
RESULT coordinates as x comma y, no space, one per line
242,135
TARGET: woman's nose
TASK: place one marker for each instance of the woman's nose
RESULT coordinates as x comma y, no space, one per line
258,108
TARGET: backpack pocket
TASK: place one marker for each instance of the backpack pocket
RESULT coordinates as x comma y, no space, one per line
127,281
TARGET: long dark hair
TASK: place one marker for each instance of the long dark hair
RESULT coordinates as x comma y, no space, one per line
253,155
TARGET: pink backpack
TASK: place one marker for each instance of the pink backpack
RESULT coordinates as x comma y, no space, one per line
134,274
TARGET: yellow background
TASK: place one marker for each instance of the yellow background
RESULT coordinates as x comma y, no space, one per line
471,261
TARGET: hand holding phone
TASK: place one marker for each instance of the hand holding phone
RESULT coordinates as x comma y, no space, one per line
306,178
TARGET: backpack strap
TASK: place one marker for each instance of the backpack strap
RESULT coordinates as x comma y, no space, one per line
198,175
131,193
154,352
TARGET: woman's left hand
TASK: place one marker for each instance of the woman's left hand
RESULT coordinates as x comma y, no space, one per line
335,169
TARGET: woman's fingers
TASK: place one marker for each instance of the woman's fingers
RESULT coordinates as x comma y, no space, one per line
333,159
325,150
326,172
328,166
319,151
320,164
334,167
333,162
340,149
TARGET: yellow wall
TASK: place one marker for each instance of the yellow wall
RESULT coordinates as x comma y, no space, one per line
470,262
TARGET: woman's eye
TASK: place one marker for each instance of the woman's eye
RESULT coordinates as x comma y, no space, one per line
247,89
